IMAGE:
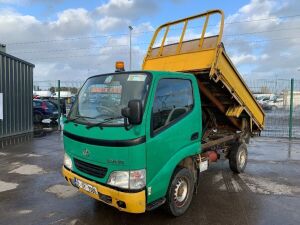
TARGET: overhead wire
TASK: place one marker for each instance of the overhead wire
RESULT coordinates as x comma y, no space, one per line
125,34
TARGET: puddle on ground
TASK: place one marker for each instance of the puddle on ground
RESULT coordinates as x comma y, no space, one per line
73,222
254,184
67,221
30,155
6,186
28,169
63,191
266,186
25,211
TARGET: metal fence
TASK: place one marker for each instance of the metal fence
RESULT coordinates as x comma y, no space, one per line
280,99
282,114
16,78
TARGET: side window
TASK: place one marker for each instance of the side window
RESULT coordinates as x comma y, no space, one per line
173,99
51,106
37,104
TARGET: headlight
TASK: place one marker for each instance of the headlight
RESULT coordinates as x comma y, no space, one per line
137,179
128,179
68,162
119,179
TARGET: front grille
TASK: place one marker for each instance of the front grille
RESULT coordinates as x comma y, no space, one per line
90,169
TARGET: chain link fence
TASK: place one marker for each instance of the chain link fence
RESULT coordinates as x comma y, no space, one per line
274,96
280,99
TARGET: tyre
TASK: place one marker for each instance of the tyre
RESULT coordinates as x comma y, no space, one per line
37,117
53,122
238,157
180,192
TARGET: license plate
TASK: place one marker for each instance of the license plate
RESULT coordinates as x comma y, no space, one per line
85,186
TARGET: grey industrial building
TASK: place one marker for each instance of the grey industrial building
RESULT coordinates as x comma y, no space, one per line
16,84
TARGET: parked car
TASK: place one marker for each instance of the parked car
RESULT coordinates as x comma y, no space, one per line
44,109
62,104
276,103
270,102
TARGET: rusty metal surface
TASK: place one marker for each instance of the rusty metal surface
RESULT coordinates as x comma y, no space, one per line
217,103
219,141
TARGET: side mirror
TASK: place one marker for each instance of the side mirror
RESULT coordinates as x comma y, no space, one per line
133,112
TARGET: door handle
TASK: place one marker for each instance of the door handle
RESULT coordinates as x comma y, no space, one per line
195,136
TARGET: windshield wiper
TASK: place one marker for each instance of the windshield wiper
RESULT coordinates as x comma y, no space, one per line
103,122
78,117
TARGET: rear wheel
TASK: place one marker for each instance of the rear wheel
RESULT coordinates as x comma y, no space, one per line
238,157
180,192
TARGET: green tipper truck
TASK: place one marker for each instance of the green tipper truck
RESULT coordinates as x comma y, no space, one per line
137,140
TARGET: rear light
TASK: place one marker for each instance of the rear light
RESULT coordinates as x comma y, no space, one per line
44,106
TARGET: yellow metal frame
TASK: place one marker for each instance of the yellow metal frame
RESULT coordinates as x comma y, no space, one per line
135,202
185,21
211,59
235,111
232,80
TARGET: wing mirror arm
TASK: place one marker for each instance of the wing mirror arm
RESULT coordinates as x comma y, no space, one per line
126,114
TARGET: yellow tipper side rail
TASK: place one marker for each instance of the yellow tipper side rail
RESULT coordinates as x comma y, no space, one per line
202,54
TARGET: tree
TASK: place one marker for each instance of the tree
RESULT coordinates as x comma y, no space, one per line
52,90
74,90
265,90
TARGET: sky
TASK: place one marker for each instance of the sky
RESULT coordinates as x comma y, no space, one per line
72,40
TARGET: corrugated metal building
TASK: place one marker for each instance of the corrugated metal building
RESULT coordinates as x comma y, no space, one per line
16,85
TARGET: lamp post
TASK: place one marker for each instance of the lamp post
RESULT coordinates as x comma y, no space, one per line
130,54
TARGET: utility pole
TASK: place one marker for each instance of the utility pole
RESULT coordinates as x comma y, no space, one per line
130,53
291,109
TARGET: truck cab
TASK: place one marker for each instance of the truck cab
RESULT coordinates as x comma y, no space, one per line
133,170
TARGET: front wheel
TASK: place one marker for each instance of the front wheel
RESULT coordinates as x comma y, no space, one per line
180,192
238,157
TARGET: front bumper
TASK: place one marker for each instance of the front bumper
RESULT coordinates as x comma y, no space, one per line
134,202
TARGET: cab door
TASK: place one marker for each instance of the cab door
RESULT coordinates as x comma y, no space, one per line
174,126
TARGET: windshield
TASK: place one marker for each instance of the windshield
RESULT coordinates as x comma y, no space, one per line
103,97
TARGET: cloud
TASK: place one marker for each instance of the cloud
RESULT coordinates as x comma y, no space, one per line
143,27
127,8
80,42
268,45
72,22
12,22
72,46
108,24
247,58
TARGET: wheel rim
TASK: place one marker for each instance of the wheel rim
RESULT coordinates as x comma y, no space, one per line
181,192
242,158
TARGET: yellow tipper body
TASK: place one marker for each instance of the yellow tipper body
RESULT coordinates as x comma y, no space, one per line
204,56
